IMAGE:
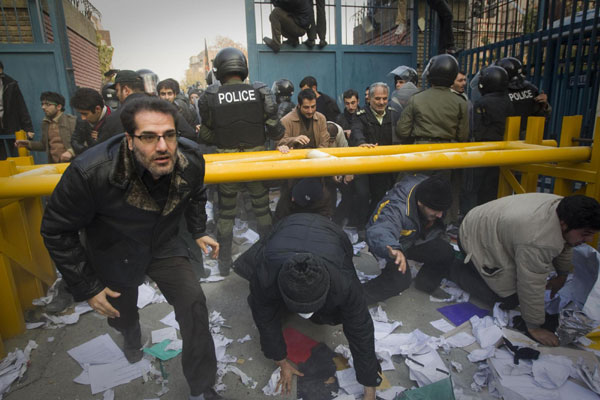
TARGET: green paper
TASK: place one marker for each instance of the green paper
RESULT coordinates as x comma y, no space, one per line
158,351
440,390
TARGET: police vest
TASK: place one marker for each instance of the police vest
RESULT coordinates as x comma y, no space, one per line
238,117
523,100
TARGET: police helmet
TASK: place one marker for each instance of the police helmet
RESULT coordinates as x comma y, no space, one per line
442,70
493,79
512,66
211,78
230,61
404,73
109,94
283,87
150,80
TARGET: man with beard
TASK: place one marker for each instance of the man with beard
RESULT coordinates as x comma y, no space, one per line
126,196
408,225
57,128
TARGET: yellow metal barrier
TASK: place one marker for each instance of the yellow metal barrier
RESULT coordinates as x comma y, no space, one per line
26,268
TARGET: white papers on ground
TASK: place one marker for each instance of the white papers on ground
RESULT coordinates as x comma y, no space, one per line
415,342
14,366
244,339
442,325
166,333
347,381
270,389
357,247
485,331
104,364
170,320
426,368
148,295
502,317
461,339
246,380
456,293
243,234
391,393
481,354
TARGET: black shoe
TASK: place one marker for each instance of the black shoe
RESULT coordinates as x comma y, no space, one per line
309,43
61,301
291,42
210,394
322,43
273,45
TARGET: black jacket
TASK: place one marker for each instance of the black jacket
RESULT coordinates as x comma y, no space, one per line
345,119
489,116
16,116
113,125
328,107
345,303
102,195
366,128
302,11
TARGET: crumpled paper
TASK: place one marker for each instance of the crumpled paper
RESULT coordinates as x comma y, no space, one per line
573,324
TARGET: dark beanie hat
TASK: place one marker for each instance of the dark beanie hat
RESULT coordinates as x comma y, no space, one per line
304,283
435,192
307,191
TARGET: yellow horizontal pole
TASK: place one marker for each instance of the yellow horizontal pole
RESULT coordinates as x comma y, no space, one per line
301,154
222,172
59,168
42,185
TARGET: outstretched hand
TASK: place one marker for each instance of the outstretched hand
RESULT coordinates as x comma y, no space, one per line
287,373
398,257
102,306
204,242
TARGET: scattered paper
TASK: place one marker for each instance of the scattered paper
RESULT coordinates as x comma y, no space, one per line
106,376
159,335
145,295
34,325
159,350
212,278
100,350
246,380
108,395
221,343
270,389
357,247
347,381
426,368
485,331
461,339
481,354
457,295
244,339
170,320
176,345
457,366
82,308
503,318
391,393
442,325
61,320
551,372
415,342
383,329
14,366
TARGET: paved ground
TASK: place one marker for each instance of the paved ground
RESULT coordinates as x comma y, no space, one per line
52,370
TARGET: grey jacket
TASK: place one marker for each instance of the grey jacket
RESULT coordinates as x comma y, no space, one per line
515,242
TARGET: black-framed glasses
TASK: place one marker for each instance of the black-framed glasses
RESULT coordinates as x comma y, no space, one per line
152,138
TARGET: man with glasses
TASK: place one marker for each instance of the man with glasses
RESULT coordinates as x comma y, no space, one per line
127,196
57,128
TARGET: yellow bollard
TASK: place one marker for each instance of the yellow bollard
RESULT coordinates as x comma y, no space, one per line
21,135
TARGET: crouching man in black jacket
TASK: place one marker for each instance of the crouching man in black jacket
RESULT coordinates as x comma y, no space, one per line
305,266
127,196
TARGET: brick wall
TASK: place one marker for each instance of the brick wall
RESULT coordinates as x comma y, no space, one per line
84,56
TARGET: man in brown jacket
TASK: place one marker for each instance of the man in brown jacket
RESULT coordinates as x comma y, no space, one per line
305,127
57,128
513,244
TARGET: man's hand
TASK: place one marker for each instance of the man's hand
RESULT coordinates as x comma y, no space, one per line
398,257
287,373
347,132
544,336
94,135
301,140
30,135
369,393
348,179
541,98
66,156
22,143
555,284
284,149
101,305
369,145
206,241
338,178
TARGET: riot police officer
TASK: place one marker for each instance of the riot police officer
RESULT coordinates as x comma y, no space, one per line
235,117
525,96
109,94
404,74
480,185
283,89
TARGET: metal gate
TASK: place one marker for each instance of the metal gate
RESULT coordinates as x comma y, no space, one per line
35,51
362,47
